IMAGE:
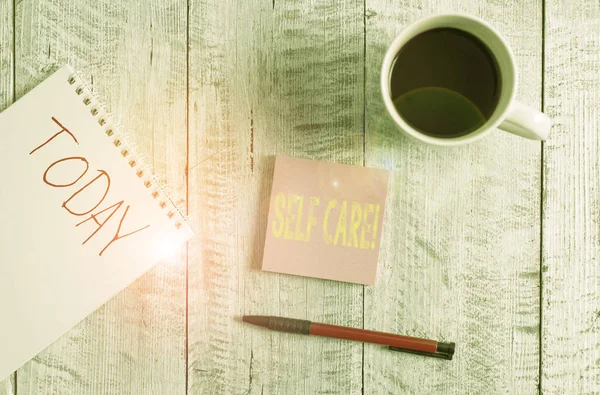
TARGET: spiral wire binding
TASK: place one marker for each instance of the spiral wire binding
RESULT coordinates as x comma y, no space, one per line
113,131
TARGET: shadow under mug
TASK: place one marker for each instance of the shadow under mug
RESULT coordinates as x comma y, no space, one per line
508,115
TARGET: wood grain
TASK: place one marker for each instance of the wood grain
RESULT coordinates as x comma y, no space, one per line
6,97
135,57
571,216
7,386
6,53
266,78
460,255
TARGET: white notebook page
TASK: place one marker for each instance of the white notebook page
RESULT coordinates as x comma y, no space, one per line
65,247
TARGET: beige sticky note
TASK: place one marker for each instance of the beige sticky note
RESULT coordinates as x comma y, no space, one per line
325,220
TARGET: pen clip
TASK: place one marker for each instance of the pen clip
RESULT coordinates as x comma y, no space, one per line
446,352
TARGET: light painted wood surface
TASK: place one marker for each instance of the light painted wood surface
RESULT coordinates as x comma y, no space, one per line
6,53
267,78
211,90
7,386
135,57
571,217
460,253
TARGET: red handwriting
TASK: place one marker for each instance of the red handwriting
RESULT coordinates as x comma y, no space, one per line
87,166
119,237
103,176
62,130
116,237
102,173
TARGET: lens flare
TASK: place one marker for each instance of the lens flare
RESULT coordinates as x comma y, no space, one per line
167,248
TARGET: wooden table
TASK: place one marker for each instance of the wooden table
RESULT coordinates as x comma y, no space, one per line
495,245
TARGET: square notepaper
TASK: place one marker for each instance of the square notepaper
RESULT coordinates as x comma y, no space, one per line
325,220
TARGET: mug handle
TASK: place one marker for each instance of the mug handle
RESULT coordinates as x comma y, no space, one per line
526,122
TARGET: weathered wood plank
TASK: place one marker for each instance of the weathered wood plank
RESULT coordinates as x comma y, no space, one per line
7,386
6,98
6,53
460,252
571,216
267,78
135,56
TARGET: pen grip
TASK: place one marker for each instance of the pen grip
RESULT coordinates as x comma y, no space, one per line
289,325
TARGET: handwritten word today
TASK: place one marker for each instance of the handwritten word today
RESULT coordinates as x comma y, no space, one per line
98,182
350,219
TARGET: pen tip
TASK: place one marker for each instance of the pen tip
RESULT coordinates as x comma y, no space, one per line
256,320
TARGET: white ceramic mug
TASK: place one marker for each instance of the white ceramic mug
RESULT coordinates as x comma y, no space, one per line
509,115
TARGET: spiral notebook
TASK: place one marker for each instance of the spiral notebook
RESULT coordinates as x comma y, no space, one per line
82,216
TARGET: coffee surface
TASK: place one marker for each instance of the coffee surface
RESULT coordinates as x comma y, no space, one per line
445,83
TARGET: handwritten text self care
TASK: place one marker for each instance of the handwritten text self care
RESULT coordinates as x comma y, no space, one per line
344,223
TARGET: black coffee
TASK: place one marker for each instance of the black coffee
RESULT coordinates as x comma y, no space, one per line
445,83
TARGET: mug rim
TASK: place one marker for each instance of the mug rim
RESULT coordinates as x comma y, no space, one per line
438,19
